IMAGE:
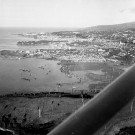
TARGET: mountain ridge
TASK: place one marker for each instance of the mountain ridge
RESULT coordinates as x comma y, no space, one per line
115,27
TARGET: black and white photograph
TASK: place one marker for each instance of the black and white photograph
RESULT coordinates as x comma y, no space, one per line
67,67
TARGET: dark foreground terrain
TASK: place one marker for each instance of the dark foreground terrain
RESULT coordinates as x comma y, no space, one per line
32,115
35,115
123,123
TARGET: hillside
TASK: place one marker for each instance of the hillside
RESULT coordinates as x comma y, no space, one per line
123,26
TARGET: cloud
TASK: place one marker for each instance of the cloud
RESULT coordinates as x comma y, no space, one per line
131,10
123,10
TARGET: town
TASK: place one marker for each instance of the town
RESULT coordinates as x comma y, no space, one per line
80,46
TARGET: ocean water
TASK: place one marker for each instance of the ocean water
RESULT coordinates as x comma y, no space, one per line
13,79
9,37
12,75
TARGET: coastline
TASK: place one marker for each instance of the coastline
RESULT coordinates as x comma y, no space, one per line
21,114
81,66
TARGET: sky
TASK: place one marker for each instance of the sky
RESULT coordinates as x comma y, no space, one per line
65,13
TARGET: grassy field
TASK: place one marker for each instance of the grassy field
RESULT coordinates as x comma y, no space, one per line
26,115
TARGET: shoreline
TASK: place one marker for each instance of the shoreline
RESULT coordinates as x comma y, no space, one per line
78,94
54,54
39,112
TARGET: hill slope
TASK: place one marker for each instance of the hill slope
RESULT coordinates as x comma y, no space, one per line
123,26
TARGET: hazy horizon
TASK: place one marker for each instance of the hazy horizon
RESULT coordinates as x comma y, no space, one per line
45,27
65,13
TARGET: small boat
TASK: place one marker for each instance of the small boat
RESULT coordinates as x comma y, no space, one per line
41,67
25,70
26,79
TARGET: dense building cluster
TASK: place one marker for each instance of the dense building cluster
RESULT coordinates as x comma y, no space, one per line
83,46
